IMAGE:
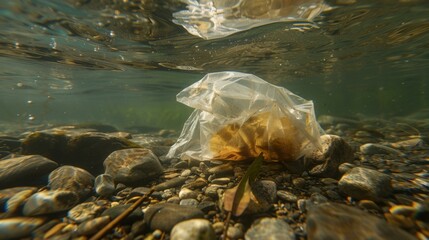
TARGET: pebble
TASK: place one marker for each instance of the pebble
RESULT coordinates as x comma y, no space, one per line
174,182
221,181
234,233
18,227
270,228
186,173
164,216
199,183
134,165
334,221
115,211
26,170
211,191
287,196
92,226
186,193
189,202
363,183
84,211
299,182
74,179
374,148
15,202
221,170
47,202
345,167
194,229
104,185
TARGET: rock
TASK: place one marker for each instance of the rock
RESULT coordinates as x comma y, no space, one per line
165,215
198,183
84,211
18,227
115,211
72,179
132,165
6,194
338,221
171,183
26,170
299,182
363,183
52,146
92,226
270,229
15,202
234,233
287,196
315,199
345,167
265,192
193,229
104,185
374,148
186,193
47,202
9,144
189,202
324,162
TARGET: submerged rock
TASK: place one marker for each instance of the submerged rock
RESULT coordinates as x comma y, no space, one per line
84,211
270,228
363,183
337,221
18,227
192,230
165,215
104,185
73,179
24,170
132,165
47,202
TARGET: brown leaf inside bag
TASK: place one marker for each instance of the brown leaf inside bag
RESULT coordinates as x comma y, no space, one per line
276,137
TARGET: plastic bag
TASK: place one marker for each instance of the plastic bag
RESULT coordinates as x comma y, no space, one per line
237,116
211,19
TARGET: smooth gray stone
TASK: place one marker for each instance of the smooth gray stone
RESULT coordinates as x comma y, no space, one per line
72,179
270,229
47,202
24,170
134,165
338,221
18,227
374,148
164,216
363,183
104,185
193,229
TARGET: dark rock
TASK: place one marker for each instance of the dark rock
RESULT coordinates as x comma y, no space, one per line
9,144
324,162
92,226
26,170
52,146
47,202
270,228
132,165
337,221
115,211
363,183
164,216
73,179
193,229
265,192
287,196
18,227
104,185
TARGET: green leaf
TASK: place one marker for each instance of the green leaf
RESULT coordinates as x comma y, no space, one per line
238,198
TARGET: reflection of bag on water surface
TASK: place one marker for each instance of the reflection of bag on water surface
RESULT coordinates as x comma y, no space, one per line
238,116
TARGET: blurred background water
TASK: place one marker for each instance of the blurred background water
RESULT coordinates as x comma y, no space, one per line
121,62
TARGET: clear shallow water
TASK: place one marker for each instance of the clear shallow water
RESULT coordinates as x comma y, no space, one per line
122,63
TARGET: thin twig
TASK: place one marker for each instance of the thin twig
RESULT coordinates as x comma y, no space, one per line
225,231
123,215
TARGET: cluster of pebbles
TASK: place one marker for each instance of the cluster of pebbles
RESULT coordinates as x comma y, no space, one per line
370,181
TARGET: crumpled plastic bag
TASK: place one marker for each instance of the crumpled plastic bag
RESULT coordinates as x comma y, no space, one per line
237,116
210,19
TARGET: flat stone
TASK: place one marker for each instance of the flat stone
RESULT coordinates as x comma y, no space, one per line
104,185
287,196
193,229
324,162
92,226
18,227
84,211
133,165
171,183
270,228
47,202
338,221
72,179
115,211
165,215
363,183
374,148
26,170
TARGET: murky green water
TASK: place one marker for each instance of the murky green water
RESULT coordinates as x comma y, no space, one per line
122,62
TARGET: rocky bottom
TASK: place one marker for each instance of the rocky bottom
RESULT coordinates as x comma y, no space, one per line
370,181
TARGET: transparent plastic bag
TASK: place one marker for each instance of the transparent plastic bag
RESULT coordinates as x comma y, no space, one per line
237,116
211,19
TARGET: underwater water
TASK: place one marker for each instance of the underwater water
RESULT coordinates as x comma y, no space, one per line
121,63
